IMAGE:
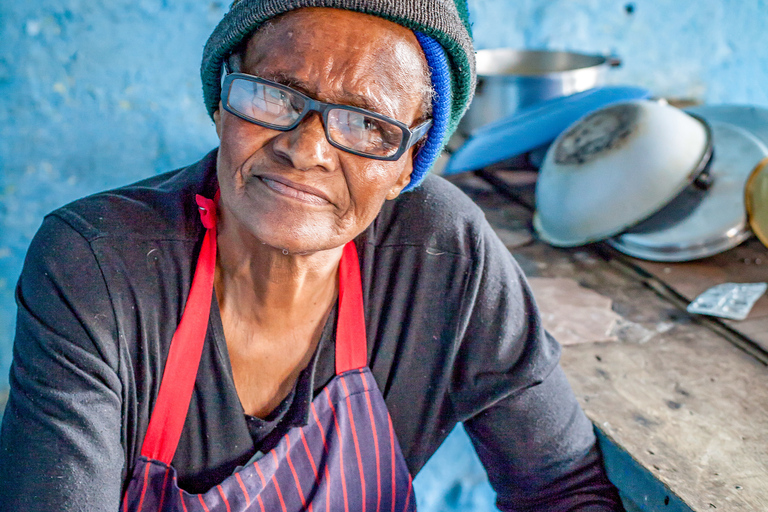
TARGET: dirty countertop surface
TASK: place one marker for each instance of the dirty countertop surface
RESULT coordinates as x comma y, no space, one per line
685,396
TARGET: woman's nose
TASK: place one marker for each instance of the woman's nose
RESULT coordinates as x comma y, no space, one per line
306,145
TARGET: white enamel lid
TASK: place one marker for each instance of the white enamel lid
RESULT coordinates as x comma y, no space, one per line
614,168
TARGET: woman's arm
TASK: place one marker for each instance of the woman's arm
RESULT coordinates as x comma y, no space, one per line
535,442
540,452
60,443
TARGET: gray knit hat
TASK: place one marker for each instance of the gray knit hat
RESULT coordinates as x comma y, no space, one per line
445,21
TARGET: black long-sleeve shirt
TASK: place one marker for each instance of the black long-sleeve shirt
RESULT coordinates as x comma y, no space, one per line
453,335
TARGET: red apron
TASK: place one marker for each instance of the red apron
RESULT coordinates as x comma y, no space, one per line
346,459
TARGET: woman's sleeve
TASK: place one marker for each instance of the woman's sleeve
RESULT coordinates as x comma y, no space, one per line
540,452
534,441
60,443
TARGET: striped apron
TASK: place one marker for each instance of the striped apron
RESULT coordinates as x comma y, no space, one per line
346,458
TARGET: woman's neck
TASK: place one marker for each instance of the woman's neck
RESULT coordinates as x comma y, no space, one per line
273,308
258,281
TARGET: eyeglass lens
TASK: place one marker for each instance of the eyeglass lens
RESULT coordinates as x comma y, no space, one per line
348,128
264,103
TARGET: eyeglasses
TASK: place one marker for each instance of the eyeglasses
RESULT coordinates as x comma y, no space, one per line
351,129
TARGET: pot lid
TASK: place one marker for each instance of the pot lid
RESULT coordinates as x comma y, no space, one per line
756,199
753,119
719,222
534,126
615,168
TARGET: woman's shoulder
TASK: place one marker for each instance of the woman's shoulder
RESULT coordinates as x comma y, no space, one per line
437,214
161,206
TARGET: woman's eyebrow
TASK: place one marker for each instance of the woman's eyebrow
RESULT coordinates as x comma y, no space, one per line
345,98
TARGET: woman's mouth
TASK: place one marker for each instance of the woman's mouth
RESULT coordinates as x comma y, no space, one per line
295,191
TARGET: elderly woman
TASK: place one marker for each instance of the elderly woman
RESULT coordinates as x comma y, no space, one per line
297,321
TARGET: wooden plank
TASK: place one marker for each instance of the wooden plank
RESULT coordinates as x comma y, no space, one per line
747,263
690,409
686,405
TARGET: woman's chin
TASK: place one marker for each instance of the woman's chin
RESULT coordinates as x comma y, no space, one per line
297,241
289,226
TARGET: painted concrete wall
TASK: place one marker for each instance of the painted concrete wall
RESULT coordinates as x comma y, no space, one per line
92,95
96,94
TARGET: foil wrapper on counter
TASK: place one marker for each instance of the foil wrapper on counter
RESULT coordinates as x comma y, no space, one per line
728,300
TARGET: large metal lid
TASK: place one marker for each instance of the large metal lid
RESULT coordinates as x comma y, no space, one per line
751,118
719,222
615,168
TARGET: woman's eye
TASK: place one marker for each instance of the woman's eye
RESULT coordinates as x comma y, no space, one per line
278,97
368,126
296,103
373,132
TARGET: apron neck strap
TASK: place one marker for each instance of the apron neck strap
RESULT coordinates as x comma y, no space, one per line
170,410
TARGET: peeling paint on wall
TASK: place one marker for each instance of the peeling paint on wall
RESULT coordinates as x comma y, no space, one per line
93,95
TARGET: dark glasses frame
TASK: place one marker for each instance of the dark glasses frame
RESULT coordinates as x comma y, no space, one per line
410,136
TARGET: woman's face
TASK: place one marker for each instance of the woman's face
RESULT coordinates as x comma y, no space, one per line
293,190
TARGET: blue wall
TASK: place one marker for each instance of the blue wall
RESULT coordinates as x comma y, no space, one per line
99,94
92,95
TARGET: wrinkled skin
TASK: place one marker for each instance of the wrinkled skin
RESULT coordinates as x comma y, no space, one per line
292,190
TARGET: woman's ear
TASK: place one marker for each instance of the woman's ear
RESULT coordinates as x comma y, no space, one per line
402,181
217,120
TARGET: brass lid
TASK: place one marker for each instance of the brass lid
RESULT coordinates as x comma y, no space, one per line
756,200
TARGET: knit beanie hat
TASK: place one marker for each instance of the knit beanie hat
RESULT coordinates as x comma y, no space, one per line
441,27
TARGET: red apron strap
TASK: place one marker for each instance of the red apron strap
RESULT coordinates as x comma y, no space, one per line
170,411
351,344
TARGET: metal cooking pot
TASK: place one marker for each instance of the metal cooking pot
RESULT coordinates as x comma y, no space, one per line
509,80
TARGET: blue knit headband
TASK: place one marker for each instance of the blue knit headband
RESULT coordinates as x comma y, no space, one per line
441,109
